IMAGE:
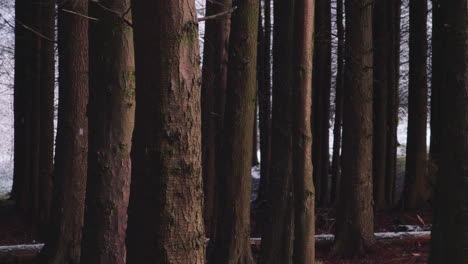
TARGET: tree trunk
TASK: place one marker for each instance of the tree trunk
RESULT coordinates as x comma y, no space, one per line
264,103
355,221
450,229
321,99
231,244
417,189
64,241
214,81
254,133
339,86
277,237
165,216
385,107
304,203
47,83
111,113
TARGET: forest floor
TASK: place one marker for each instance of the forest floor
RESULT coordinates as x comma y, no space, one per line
15,230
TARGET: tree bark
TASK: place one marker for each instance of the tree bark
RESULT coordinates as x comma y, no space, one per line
231,244
304,202
63,245
321,100
417,189
450,229
214,81
278,230
355,221
339,86
165,216
111,114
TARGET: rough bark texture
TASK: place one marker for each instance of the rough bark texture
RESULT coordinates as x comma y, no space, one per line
64,239
47,83
385,32
111,113
165,216
214,81
417,189
277,234
304,203
321,100
450,228
339,86
231,244
264,103
355,221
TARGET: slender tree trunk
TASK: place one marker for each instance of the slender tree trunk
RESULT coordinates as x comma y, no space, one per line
111,113
355,221
63,245
386,47
165,216
304,203
232,240
254,133
47,84
214,81
277,237
417,189
336,162
264,102
450,229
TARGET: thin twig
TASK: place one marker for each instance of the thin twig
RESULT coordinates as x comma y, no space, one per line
78,14
216,16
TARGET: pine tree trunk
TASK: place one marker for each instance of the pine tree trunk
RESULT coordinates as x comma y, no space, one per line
417,189
47,84
111,113
264,102
355,220
232,239
165,216
385,106
63,244
304,202
336,161
450,228
277,237
214,81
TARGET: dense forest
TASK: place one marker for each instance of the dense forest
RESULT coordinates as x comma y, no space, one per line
234,131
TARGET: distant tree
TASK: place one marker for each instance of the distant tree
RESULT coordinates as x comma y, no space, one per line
417,189
321,99
386,75
214,81
339,85
355,221
450,228
111,112
63,243
304,200
165,215
232,238
277,237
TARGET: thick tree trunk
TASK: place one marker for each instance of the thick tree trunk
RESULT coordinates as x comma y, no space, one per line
321,100
355,221
450,229
417,189
385,34
165,216
264,103
111,113
231,244
47,83
339,85
304,203
214,81
277,234
64,241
